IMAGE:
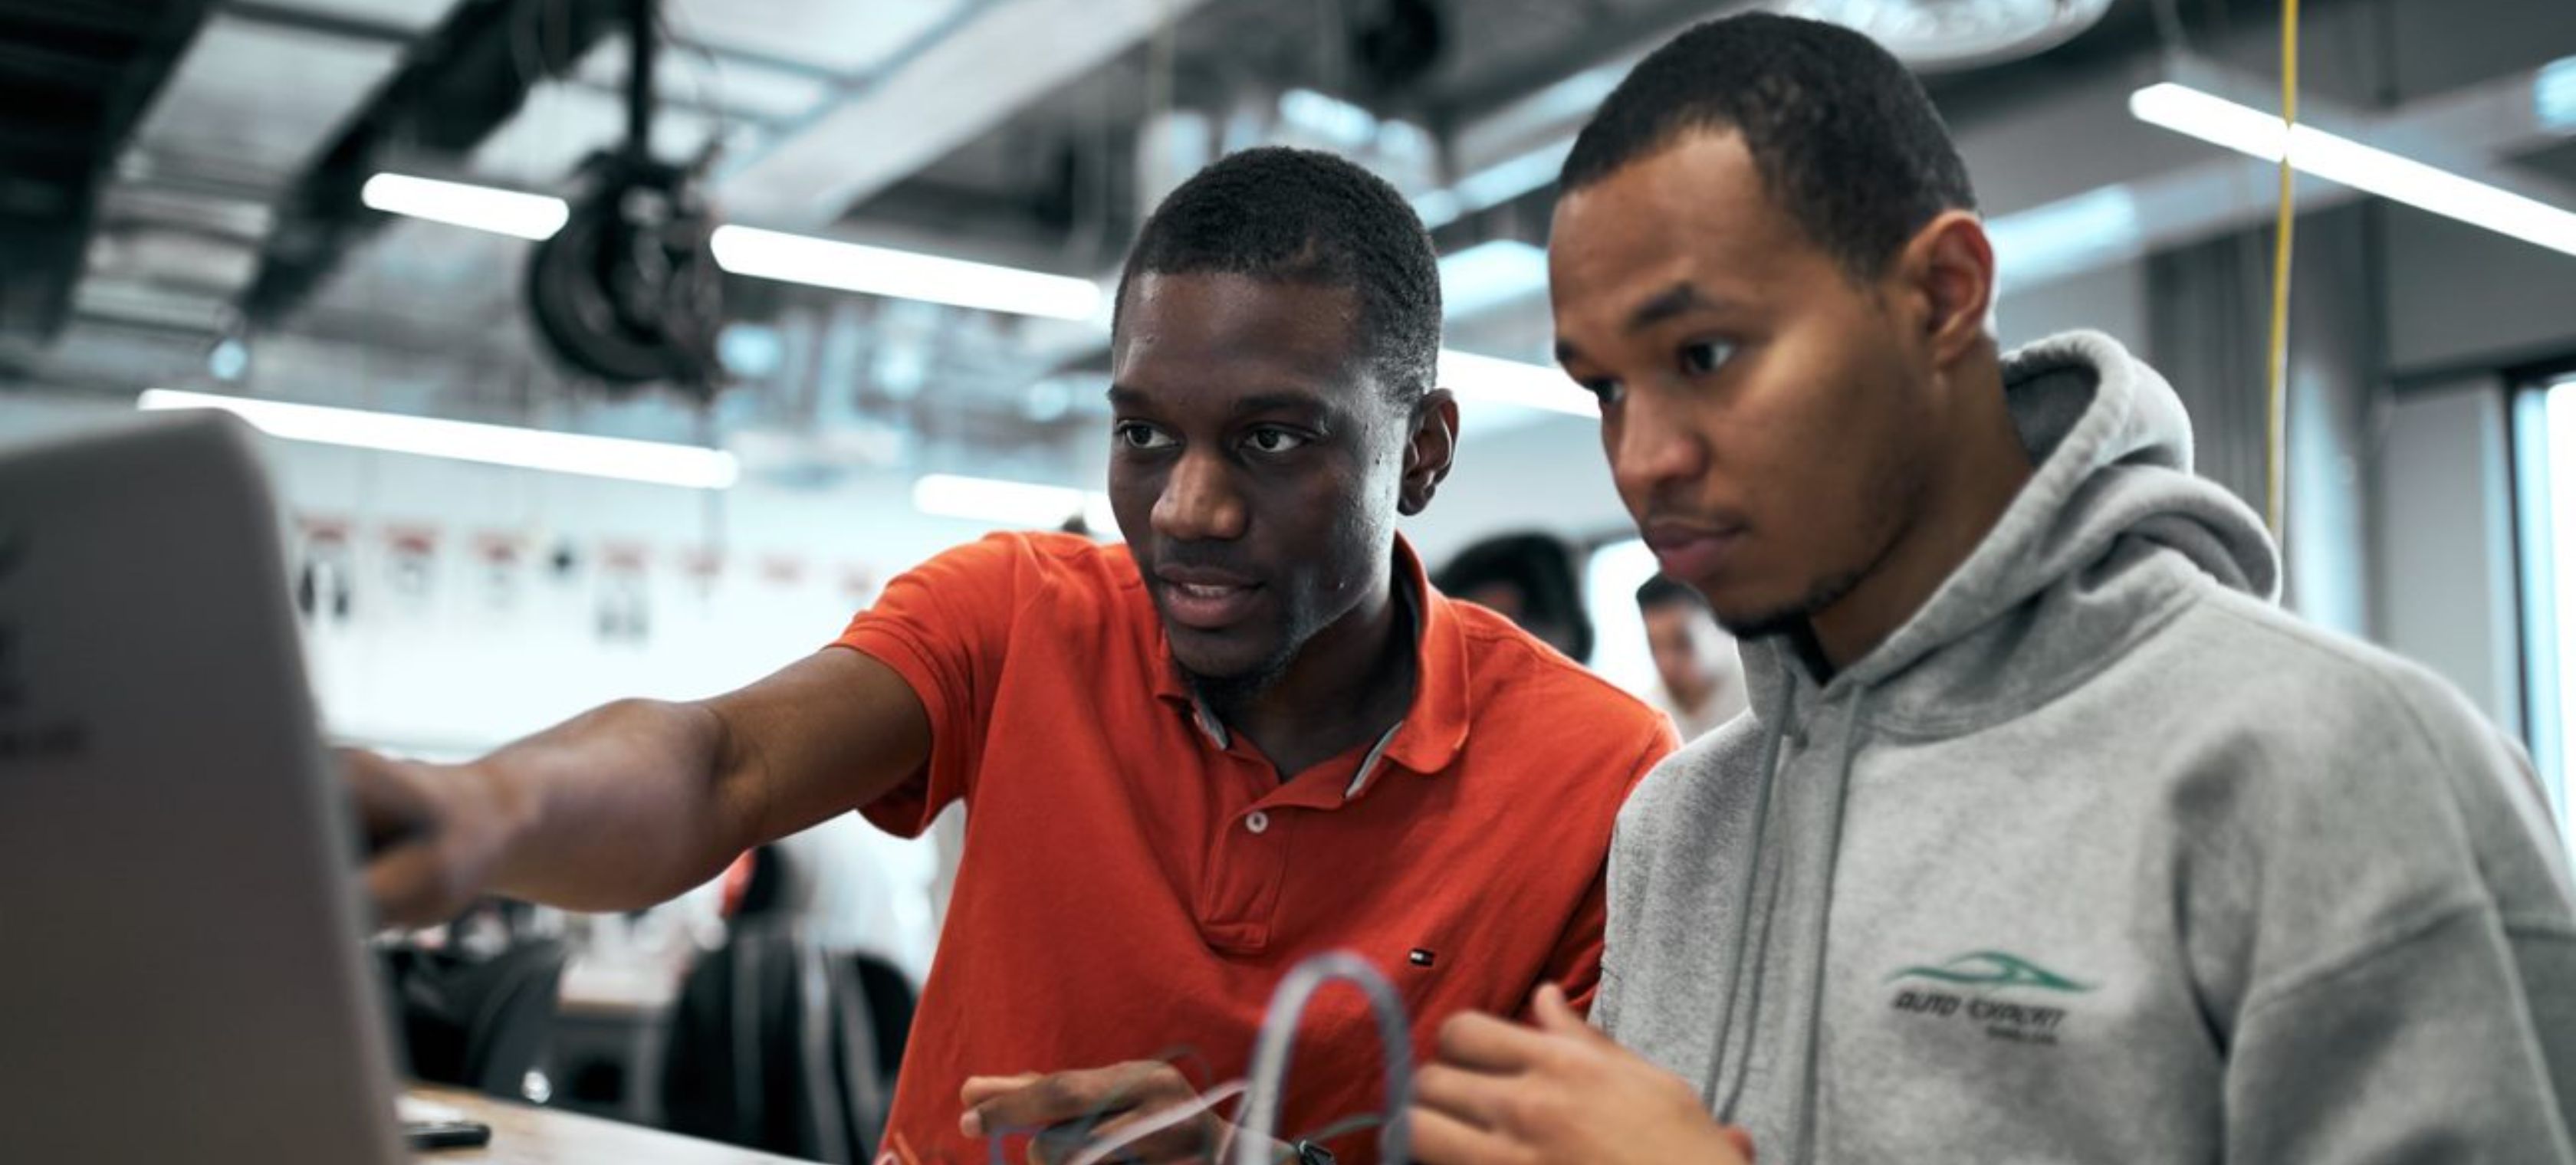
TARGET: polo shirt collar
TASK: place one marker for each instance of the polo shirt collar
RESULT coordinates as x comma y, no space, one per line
1434,727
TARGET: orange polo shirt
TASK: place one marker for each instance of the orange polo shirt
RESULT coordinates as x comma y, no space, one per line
1136,881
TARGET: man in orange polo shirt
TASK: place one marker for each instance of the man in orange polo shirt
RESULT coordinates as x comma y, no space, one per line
1252,734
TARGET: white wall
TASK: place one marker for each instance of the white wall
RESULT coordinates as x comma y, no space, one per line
2444,578
2457,297
2112,300
2460,295
472,657
1544,475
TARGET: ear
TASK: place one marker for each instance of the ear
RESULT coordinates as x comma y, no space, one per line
1430,450
1949,269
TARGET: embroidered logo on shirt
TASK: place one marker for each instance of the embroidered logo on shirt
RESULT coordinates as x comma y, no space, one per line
1993,969
1988,974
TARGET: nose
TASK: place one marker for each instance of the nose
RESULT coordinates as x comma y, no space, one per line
1654,446
1199,502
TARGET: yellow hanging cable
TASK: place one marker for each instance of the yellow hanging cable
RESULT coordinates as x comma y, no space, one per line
2276,448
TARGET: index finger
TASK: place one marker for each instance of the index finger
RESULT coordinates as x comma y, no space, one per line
1476,1040
979,1089
408,886
390,808
1065,1096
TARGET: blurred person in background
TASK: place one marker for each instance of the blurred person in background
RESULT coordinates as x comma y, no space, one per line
1251,734
1529,579
843,895
2050,837
1699,681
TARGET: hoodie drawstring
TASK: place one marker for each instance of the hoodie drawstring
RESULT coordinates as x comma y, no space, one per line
1808,1099
1736,1073
1773,729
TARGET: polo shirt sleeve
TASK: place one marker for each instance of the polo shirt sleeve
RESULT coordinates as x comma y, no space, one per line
944,627
1576,963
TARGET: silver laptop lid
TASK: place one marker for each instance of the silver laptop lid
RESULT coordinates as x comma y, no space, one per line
181,977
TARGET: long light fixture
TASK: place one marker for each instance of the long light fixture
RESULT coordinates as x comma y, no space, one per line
502,212
1490,274
1493,380
1494,185
2069,235
2553,94
903,274
2251,131
763,254
1011,503
613,457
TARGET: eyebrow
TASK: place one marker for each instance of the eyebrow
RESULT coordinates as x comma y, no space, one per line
1123,397
1279,402
1677,300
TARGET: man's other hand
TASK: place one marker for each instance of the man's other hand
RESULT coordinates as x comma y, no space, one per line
1558,1093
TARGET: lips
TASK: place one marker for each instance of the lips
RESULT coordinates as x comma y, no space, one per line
1694,552
1205,599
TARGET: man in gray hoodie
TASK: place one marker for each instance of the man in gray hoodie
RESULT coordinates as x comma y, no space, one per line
2050,838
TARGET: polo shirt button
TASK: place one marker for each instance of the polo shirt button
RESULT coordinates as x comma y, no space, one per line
1258,822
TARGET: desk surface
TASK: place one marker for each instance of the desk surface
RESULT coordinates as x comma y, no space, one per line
522,1135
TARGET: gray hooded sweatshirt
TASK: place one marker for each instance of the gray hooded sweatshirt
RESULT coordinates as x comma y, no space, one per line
2103,857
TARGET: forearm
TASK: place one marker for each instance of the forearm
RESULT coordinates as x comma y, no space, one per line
616,809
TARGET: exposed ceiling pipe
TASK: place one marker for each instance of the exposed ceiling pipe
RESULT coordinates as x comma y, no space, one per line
461,82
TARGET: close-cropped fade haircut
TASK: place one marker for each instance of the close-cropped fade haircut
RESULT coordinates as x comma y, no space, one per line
1307,217
1845,139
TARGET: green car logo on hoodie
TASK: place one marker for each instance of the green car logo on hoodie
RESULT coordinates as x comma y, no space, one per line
1994,969
1983,974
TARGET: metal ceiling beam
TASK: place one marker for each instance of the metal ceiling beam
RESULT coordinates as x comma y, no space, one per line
457,84
996,58
385,32
90,91
2470,132
334,24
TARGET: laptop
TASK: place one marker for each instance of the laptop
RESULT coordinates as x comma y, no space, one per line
181,973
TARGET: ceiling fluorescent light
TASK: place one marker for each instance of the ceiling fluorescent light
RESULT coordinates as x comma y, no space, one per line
1326,118
903,274
502,212
1512,177
763,254
1489,274
1011,503
614,457
1492,380
1438,209
2251,131
2553,95
2063,237
1494,185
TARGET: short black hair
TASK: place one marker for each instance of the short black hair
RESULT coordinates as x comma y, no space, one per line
1541,567
1658,591
1845,139
1304,216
